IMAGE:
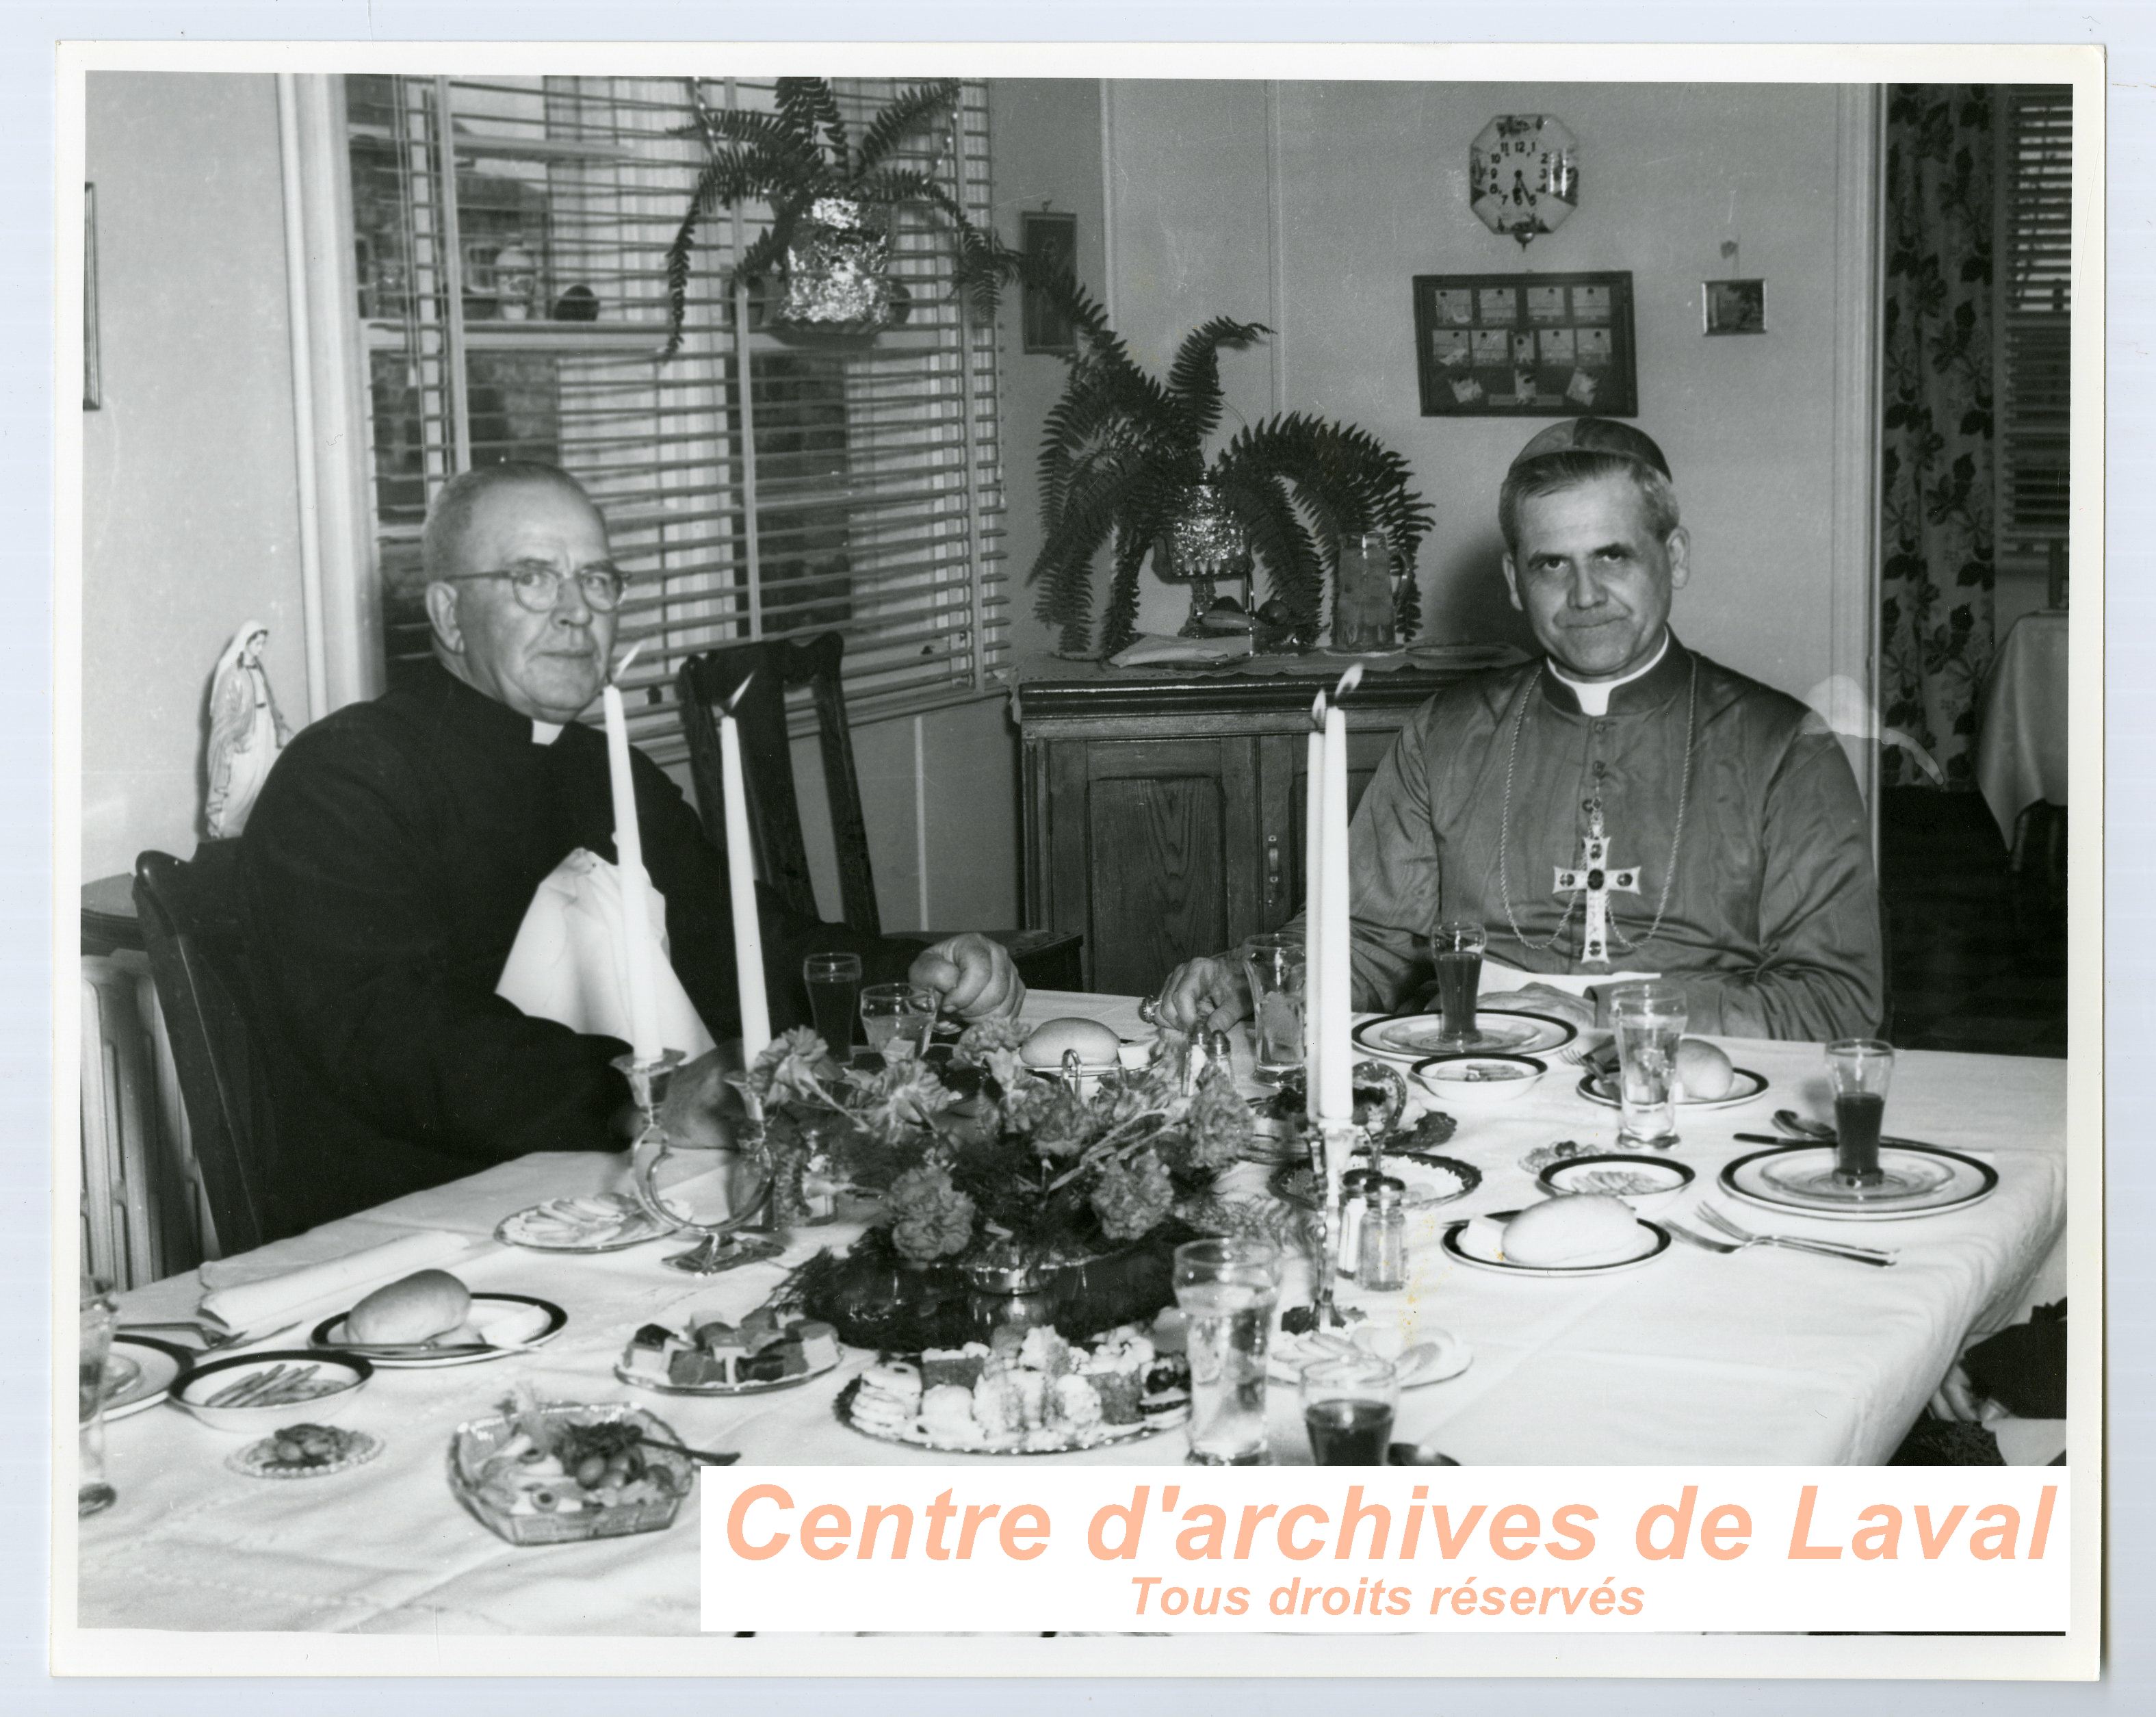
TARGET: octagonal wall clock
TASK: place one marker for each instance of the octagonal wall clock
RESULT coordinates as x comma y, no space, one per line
1523,174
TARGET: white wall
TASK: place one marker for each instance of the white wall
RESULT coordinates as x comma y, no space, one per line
1315,218
190,495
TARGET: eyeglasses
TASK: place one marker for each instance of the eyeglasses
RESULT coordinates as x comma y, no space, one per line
538,586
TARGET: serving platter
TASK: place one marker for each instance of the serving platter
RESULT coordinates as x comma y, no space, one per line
1921,1180
1092,1438
605,1223
1416,1036
767,1386
1430,1180
1437,1359
1654,1241
402,1356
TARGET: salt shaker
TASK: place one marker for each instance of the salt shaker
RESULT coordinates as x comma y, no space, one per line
1382,1248
1354,1202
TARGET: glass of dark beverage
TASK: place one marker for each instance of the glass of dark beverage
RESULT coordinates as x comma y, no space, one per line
834,996
1456,950
1859,1069
1347,1406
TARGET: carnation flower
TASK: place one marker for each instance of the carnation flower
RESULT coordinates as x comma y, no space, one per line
1132,1197
1219,1122
929,1217
794,1067
986,1037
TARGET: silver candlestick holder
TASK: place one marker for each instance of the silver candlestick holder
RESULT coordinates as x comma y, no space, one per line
1330,1142
724,1241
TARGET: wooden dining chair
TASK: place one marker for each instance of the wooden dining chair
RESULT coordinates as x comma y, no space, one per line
194,928
1046,959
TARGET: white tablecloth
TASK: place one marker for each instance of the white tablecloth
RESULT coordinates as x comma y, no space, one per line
1761,1357
2022,745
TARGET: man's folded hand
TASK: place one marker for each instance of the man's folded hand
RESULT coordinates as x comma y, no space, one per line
972,976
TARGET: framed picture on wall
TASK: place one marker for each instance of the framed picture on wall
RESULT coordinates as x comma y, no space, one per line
1525,345
1050,242
1733,306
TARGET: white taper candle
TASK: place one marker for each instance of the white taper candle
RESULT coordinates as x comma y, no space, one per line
740,877
1313,897
1334,976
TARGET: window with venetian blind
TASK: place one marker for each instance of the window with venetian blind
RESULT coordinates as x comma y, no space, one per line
2032,259
511,235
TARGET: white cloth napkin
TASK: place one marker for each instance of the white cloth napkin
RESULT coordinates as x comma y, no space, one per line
1152,649
567,964
1498,977
318,1290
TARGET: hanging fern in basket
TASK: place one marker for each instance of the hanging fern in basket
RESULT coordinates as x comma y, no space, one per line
800,155
1122,450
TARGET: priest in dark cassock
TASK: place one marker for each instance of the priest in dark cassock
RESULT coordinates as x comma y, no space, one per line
394,853
1622,804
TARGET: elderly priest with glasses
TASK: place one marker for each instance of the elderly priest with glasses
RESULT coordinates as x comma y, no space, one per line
395,850
1622,805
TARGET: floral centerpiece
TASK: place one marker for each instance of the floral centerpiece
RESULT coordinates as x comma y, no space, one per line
985,1165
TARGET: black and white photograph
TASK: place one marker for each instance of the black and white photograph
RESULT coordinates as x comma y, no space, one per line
789,770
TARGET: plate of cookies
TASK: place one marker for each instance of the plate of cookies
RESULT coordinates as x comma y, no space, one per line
762,1353
1025,1392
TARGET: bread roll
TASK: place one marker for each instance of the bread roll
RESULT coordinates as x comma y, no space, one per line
421,1307
1576,1228
1703,1072
1095,1043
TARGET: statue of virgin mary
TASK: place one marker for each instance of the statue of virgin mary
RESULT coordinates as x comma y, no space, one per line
246,732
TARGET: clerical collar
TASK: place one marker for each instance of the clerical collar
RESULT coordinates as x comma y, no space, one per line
1594,695
545,732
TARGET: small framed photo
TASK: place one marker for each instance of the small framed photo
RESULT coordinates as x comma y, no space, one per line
1733,306
1050,244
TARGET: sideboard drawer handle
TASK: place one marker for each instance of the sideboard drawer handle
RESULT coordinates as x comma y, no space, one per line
1272,870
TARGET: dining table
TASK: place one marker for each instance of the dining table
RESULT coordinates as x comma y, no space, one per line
1758,1356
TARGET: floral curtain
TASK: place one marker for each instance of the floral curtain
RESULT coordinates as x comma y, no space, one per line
1936,580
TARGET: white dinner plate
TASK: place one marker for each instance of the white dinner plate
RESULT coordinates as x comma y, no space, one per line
1746,1086
1654,1241
1799,1180
1416,1037
548,1318
156,1366
1438,1356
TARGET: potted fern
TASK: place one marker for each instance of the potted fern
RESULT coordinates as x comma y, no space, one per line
1125,465
832,196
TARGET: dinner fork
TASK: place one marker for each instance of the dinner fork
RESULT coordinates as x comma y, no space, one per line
1826,1248
1700,1241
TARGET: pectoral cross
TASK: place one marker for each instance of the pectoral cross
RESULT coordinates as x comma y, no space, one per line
1596,878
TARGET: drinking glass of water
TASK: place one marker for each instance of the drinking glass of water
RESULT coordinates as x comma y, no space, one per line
1274,965
1859,1069
1456,949
1227,1288
1650,1019
99,1312
835,993
1348,1407
890,1011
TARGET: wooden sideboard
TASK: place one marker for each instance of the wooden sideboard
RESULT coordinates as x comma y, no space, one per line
1163,809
